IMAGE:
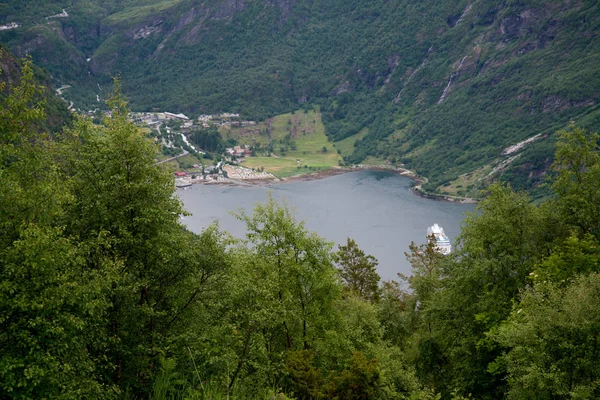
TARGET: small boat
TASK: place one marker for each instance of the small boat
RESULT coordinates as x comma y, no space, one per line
442,242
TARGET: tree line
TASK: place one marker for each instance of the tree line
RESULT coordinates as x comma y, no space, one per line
105,294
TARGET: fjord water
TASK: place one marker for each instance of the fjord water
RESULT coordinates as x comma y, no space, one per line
377,209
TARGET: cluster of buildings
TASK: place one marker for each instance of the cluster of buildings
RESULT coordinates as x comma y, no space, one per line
207,120
238,151
212,173
10,25
241,173
220,173
203,174
153,119
189,180
224,119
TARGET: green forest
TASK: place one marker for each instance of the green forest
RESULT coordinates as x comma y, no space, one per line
441,87
105,294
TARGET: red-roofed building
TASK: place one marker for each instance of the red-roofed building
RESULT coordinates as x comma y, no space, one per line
179,173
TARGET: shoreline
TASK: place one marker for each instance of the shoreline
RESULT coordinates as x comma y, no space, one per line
416,189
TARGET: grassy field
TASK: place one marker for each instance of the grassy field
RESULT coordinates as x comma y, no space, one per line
468,184
184,163
346,146
298,140
371,160
137,13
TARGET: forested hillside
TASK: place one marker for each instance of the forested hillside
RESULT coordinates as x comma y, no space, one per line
443,87
105,294
56,113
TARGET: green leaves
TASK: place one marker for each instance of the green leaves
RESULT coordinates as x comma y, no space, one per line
296,264
425,261
52,317
23,109
358,271
553,339
577,166
569,259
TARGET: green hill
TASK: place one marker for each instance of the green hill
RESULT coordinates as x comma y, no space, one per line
442,87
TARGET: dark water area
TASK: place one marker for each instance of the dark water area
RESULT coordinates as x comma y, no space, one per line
377,209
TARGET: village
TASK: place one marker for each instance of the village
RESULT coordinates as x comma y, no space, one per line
205,121
178,126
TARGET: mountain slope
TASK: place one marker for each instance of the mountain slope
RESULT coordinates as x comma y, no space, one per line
442,87
520,71
56,114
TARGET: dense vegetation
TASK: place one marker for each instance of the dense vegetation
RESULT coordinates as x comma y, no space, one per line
208,139
57,116
442,86
104,294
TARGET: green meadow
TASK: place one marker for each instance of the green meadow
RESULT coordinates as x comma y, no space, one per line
346,146
288,144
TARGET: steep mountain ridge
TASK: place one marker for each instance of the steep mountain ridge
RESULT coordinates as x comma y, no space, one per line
442,87
527,70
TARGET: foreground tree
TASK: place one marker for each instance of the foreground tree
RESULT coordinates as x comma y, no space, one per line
553,335
52,307
498,248
29,180
577,166
121,197
358,271
282,293
425,262
124,208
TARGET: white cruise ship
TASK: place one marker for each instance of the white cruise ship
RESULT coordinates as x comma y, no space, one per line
443,245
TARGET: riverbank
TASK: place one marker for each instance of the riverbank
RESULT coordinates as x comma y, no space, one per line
417,188
443,197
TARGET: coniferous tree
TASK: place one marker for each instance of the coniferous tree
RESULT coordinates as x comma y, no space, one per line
358,271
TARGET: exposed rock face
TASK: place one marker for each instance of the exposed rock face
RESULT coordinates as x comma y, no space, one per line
343,88
147,30
227,9
10,69
556,103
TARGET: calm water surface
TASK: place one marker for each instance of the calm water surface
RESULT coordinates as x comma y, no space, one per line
377,209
